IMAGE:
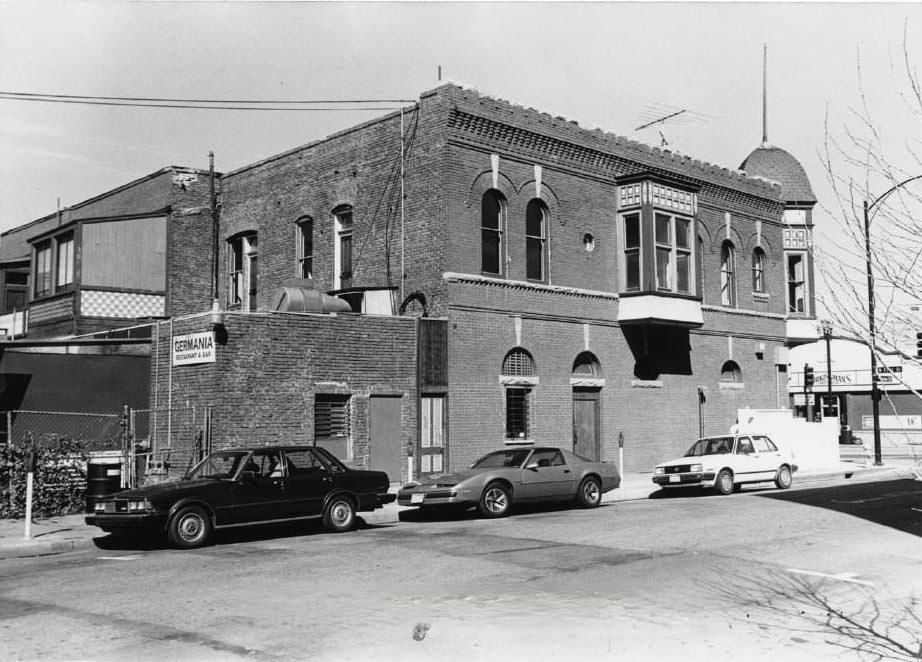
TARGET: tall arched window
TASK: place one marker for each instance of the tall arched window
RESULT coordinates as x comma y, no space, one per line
492,224
758,270
728,274
536,240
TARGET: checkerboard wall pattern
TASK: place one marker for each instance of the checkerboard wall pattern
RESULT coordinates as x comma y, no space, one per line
95,303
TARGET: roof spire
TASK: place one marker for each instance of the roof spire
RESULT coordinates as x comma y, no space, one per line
764,95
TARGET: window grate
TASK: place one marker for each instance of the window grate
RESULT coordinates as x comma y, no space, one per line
518,363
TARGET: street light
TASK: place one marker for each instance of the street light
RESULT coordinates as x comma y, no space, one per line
875,391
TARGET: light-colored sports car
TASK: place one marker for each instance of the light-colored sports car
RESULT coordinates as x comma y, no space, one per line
726,463
518,475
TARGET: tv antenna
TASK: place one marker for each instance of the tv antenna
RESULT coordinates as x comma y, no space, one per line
657,114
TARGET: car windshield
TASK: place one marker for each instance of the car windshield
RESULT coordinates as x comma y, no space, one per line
501,459
711,446
223,464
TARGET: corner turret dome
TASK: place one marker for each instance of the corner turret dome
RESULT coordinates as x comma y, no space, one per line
778,165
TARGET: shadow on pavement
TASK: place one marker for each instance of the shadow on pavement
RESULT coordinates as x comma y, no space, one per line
460,514
893,503
149,541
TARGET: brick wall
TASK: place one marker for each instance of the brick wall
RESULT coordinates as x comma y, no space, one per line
658,419
261,387
189,246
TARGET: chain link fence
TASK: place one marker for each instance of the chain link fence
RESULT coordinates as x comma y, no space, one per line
142,446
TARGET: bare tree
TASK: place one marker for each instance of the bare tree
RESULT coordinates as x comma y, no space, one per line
863,162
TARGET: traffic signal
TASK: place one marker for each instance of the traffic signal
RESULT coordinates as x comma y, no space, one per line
808,376
919,345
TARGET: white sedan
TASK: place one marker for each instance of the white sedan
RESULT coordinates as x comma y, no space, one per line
726,463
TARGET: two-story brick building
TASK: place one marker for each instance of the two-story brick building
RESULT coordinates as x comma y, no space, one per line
571,287
591,290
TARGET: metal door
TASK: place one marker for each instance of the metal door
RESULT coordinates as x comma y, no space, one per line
385,440
586,438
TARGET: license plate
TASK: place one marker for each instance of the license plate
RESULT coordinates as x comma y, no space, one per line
416,498
675,479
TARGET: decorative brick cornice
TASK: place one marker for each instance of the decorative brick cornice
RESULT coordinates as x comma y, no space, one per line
635,156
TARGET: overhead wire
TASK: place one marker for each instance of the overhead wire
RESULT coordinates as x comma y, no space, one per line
211,104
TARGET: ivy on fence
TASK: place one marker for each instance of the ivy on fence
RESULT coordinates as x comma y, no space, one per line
59,481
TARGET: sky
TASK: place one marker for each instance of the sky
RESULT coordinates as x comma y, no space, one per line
610,65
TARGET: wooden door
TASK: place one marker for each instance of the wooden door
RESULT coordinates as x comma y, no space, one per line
586,434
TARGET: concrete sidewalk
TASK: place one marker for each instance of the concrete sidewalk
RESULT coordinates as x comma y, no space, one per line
69,532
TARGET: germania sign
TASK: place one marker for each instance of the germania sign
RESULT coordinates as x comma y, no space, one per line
194,348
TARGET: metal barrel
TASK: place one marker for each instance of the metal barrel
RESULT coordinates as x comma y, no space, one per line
103,477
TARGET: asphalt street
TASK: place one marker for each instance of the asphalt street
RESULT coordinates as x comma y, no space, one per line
755,575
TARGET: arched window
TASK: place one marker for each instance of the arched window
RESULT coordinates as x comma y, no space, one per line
728,274
758,270
518,363
536,240
520,368
587,365
492,224
730,372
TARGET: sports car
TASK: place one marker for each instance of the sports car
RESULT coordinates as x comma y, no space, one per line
518,475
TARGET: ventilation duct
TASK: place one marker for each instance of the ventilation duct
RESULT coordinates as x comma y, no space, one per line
300,295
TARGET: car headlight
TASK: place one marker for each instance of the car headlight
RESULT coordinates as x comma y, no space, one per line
99,507
659,470
135,506
696,468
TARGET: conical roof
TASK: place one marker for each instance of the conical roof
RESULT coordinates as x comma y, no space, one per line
776,164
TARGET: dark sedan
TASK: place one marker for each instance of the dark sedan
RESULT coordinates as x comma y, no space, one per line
243,486
517,475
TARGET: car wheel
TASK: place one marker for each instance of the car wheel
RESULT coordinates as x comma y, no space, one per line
783,478
589,494
190,527
724,482
495,501
339,515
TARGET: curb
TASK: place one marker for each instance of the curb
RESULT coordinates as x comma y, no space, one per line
27,548
390,514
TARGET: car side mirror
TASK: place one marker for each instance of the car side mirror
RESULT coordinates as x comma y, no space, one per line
532,467
248,476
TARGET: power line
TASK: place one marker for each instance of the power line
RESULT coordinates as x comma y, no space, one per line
209,104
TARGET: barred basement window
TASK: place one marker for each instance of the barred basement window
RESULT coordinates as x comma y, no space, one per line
332,424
